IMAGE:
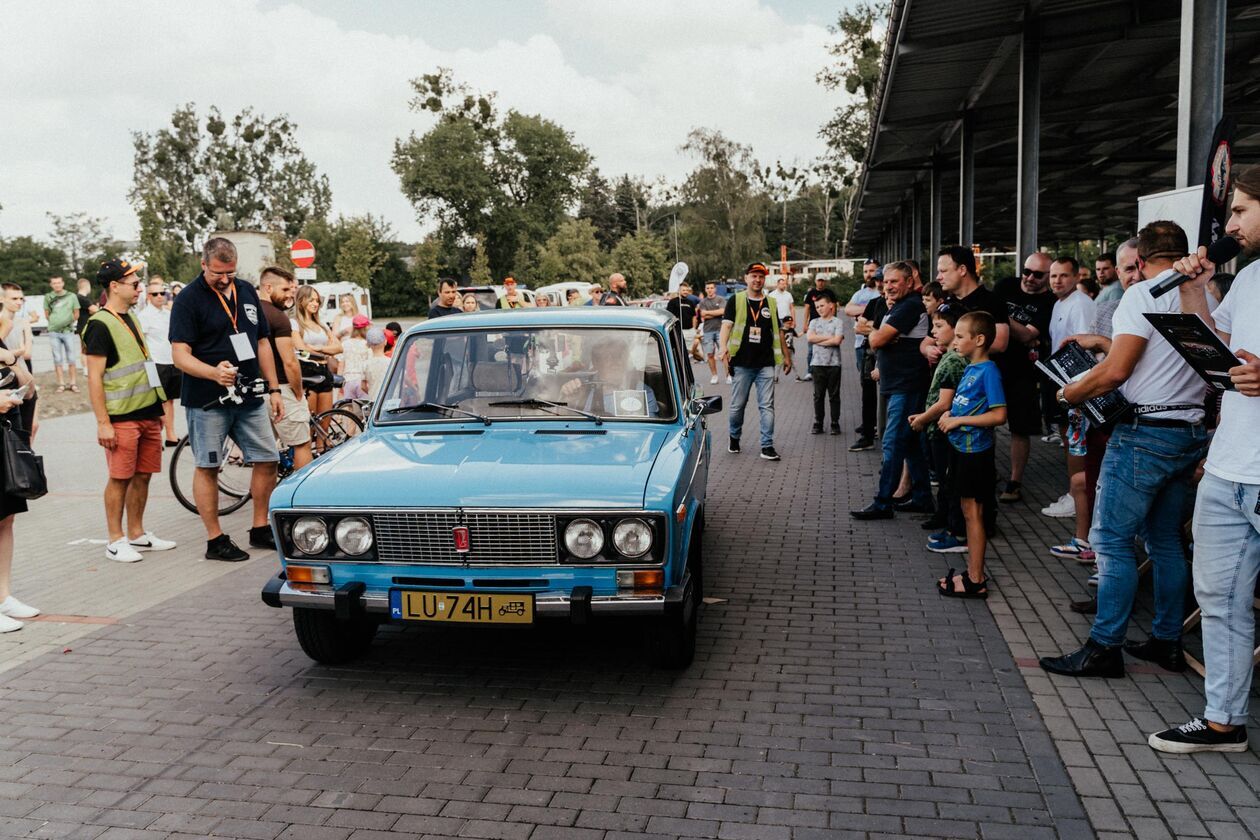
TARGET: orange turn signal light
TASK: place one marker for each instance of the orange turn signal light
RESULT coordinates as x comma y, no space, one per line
307,574
641,579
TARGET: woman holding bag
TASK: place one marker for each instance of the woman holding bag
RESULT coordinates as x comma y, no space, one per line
11,609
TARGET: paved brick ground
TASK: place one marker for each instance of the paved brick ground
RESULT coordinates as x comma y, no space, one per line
835,695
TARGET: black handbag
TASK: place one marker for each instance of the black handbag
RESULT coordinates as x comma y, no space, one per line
23,469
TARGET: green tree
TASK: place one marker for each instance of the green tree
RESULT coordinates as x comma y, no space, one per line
644,260
426,266
81,238
246,173
479,274
362,250
572,253
597,207
510,179
630,202
723,206
29,263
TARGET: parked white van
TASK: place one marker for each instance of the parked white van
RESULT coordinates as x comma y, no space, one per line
331,294
558,292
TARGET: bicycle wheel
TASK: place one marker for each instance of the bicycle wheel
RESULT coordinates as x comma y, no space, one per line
331,428
181,470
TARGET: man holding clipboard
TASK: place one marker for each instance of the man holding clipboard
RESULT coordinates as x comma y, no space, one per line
1144,478
1227,510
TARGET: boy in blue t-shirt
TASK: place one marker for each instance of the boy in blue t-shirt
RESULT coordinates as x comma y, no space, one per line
979,407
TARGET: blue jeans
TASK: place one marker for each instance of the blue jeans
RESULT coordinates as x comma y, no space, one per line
1143,485
745,377
1226,562
901,445
248,424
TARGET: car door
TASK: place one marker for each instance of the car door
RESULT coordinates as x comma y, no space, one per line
692,439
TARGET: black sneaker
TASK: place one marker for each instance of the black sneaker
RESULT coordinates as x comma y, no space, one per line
862,444
769,454
835,430
733,446
261,537
1196,736
222,548
816,430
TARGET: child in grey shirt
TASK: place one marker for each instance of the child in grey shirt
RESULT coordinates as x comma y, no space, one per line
826,333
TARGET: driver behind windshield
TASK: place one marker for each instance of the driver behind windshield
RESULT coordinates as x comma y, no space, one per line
616,390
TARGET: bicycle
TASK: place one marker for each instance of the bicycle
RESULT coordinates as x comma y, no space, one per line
329,430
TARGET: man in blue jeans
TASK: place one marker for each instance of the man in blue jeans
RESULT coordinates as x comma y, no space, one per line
1144,481
752,347
1227,510
903,381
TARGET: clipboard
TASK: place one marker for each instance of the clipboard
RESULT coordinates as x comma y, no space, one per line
1199,345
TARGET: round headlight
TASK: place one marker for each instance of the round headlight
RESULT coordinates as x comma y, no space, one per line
354,535
310,535
632,538
584,538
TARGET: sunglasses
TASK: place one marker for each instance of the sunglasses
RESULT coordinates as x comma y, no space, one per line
1029,272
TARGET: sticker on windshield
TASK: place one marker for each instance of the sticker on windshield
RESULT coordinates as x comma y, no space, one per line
630,404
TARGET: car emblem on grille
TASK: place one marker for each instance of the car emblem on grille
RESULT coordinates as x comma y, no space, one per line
462,542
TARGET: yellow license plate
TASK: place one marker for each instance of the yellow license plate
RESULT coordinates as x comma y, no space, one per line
465,607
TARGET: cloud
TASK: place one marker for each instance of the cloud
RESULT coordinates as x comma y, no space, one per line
629,80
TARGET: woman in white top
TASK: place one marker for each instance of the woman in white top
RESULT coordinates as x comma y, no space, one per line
343,323
314,337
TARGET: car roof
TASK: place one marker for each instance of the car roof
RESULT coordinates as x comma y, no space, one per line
552,316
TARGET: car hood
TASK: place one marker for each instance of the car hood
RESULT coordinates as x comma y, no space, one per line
559,466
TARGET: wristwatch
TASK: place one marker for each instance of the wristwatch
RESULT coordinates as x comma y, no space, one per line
1061,399
273,390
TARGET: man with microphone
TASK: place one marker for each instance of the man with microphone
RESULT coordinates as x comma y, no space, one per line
1146,471
1227,509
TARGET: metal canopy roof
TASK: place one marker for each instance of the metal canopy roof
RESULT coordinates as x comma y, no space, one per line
1109,85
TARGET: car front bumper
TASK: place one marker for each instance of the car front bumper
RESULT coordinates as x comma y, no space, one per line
351,599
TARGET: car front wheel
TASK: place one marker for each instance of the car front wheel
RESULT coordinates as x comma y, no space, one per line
330,640
673,640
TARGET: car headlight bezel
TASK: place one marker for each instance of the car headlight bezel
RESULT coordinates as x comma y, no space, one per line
610,553
597,539
621,530
343,541
322,539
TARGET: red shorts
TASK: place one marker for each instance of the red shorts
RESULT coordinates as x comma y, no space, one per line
137,448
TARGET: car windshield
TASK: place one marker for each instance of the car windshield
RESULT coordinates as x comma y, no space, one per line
566,373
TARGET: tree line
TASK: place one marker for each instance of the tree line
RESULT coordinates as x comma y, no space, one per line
504,192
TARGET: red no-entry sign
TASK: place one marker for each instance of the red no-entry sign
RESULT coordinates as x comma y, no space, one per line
302,252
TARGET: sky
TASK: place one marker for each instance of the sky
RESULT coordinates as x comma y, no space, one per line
629,80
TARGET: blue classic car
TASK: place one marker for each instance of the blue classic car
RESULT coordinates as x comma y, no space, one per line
518,466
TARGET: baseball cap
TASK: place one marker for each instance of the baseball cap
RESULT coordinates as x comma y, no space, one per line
112,270
375,337
507,280
360,322
756,266
871,261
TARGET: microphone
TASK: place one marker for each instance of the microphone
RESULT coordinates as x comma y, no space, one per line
1221,251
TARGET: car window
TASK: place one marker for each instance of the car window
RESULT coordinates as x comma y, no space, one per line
617,374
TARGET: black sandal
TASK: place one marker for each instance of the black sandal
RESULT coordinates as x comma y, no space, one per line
971,589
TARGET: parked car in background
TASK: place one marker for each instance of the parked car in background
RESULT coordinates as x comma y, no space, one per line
488,296
34,309
331,294
518,467
558,292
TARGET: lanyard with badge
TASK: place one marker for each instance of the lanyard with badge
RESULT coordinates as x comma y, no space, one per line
150,366
754,331
240,341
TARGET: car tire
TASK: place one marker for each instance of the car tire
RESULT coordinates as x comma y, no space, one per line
330,640
672,641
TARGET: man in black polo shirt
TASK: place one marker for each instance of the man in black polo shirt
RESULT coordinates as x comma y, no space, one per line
216,324
448,299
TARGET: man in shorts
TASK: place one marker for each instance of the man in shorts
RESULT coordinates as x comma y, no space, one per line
277,289
216,325
127,399
709,312
61,309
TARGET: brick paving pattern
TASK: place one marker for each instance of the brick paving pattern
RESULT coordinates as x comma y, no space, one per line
834,695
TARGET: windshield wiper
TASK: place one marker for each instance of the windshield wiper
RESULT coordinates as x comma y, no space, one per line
534,402
442,407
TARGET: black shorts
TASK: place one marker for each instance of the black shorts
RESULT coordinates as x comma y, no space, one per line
1023,404
172,380
974,474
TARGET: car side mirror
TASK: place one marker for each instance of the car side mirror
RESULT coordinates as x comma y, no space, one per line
708,405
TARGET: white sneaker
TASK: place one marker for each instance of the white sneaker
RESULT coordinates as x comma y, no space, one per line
729,380
8,625
1062,508
14,608
151,542
122,551
713,379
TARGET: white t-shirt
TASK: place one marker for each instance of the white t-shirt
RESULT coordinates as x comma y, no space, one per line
1235,452
1073,315
784,301
374,375
156,324
1161,376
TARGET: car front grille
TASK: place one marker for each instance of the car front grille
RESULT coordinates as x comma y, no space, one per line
494,538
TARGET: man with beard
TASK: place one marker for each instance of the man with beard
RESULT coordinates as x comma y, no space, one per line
1029,303
752,346
278,288
1226,522
216,324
